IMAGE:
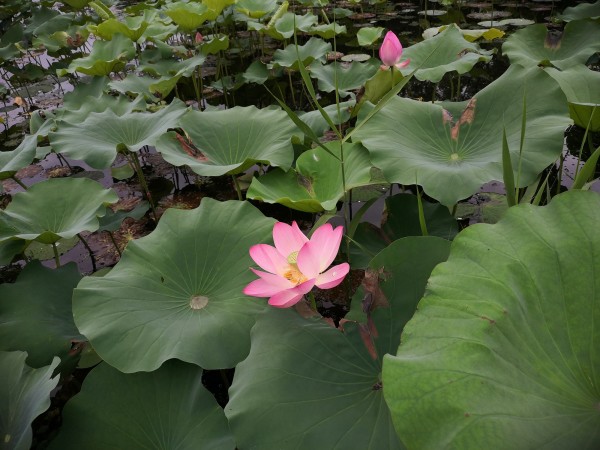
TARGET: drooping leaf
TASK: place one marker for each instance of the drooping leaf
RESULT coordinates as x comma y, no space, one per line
36,315
434,60
307,385
24,395
246,135
316,183
108,132
183,300
453,148
106,57
535,45
54,209
503,348
346,77
167,408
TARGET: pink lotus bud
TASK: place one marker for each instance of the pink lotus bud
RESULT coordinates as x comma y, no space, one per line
390,52
199,38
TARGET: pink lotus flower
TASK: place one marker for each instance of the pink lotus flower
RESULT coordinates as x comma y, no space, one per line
390,52
296,264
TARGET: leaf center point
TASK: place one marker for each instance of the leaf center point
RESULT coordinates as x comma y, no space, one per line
198,301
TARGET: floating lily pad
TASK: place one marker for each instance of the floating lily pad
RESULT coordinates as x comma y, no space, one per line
140,410
24,395
452,159
183,300
535,45
307,385
36,313
316,184
504,343
446,52
246,135
109,132
55,209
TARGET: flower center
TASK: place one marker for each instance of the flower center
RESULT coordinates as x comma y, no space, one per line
294,275
292,258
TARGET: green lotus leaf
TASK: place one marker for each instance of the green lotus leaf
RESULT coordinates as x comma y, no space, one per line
214,44
158,31
401,219
12,36
131,27
307,385
112,220
368,35
316,184
256,72
218,5
255,8
54,209
50,21
140,85
446,52
36,313
415,142
183,300
77,4
582,88
314,49
534,45
488,34
316,121
485,207
246,135
328,31
502,352
11,248
106,57
189,16
65,38
285,26
24,395
581,11
108,132
347,77
376,87
95,87
168,408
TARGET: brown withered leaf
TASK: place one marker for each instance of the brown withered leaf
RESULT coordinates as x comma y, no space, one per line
467,116
374,296
190,148
367,339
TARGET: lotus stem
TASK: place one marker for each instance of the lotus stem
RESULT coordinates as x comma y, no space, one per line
56,256
19,182
142,179
237,187
312,301
112,238
88,248
292,88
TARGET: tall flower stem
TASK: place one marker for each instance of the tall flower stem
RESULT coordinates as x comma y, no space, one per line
89,249
19,182
56,257
142,179
238,189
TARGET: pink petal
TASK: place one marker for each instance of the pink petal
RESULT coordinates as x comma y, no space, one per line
333,276
403,64
292,296
325,243
267,257
267,285
288,238
391,49
308,261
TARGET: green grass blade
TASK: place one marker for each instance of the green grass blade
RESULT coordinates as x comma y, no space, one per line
587,171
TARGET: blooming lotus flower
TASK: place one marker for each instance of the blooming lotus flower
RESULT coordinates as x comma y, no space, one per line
296,264
390,52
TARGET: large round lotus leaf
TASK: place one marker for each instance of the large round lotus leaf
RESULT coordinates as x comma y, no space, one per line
316,184
231,141
451,157
108,132
54,209
328,31
581,11
165,409
288,23
347,77
177,293
106,57
582,88
503,350
24,395
132,27
35,313
307,385
535,45
314,49
446,52
189,16
255,8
